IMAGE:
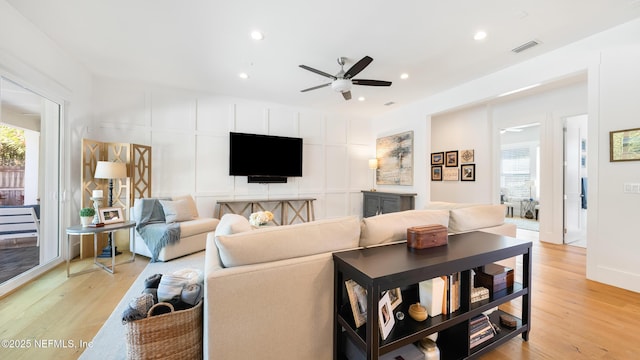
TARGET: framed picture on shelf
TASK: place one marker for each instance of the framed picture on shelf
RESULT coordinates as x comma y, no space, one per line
385,315
468,172
624,145
437,158
110,215
395,296
451,158
358,300
436,173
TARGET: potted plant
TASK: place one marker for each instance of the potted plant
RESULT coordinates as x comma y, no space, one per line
86,216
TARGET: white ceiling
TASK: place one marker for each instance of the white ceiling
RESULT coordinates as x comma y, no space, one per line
205,44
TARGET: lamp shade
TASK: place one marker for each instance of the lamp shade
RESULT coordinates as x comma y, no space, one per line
373,164
110,170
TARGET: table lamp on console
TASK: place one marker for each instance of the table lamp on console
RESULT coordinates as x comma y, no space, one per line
110,170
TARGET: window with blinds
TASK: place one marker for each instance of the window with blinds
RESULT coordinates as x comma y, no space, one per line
516,172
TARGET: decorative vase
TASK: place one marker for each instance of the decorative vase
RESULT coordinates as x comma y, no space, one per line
86,220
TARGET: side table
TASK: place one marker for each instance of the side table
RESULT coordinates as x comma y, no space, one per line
80,230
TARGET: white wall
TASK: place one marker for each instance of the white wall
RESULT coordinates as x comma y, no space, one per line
610,59
189,135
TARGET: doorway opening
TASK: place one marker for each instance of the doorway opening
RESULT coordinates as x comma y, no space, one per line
575,181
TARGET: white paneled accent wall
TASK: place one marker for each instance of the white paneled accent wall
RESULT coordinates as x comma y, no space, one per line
189,134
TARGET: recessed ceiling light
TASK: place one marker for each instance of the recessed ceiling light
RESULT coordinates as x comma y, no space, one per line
480,35
404,76
361,98
257,35
243,75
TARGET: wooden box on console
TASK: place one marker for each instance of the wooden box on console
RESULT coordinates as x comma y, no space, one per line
494,277
422,237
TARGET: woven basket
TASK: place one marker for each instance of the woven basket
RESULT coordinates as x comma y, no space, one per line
174,335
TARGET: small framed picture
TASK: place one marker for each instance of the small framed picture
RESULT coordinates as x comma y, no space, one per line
358,300
437,158
385,316
436,173
111,215
451,158
624,145
395,296
466,156
468,172
450,174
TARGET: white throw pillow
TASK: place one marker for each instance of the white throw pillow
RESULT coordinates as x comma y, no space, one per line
190,202
176,211
232,224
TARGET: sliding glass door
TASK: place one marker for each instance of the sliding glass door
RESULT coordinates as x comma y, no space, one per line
29,183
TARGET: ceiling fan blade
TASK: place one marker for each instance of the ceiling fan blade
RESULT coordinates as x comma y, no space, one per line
318,72
357,67
315,87
346,95
370,82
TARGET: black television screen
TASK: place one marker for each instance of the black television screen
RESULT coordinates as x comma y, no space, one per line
264,155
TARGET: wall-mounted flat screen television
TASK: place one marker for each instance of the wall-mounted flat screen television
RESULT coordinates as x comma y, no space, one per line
265,158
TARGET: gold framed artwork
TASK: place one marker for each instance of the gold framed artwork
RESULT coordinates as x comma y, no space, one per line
395,159
624,145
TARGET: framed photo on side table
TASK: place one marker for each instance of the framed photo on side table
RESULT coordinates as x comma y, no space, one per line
111,215
385,316
358,300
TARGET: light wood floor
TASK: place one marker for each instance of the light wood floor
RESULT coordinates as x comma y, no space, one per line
573,318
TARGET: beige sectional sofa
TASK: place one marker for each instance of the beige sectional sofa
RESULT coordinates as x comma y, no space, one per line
193,229
269,292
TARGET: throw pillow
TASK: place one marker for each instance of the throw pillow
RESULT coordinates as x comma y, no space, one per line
232,224
190,202
176,211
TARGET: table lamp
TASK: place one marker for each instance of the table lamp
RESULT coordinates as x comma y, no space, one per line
110,170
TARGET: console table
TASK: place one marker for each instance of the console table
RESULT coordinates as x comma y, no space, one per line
285,211
382,268
380,202
81,230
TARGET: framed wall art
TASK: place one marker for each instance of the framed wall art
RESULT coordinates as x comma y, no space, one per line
395,159
436,173
450,174
468,172
624,145
437,158
466,156
451,158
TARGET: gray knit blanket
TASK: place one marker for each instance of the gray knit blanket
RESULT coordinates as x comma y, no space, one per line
153,229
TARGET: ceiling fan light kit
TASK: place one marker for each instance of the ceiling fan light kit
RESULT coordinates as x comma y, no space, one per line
343,81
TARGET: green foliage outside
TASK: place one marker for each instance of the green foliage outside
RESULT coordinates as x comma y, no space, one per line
12,146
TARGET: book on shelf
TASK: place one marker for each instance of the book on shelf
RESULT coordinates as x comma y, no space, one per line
479,294
480,330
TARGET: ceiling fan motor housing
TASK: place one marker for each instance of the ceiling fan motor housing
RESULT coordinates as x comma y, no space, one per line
341,85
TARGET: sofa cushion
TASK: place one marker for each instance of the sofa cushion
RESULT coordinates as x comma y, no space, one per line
444,205
198,226
289,241
176,211
233,224
190,203
476,217
391,227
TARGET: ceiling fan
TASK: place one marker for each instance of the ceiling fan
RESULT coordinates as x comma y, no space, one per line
343,80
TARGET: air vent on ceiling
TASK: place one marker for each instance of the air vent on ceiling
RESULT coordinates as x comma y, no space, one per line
389,103
525,46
